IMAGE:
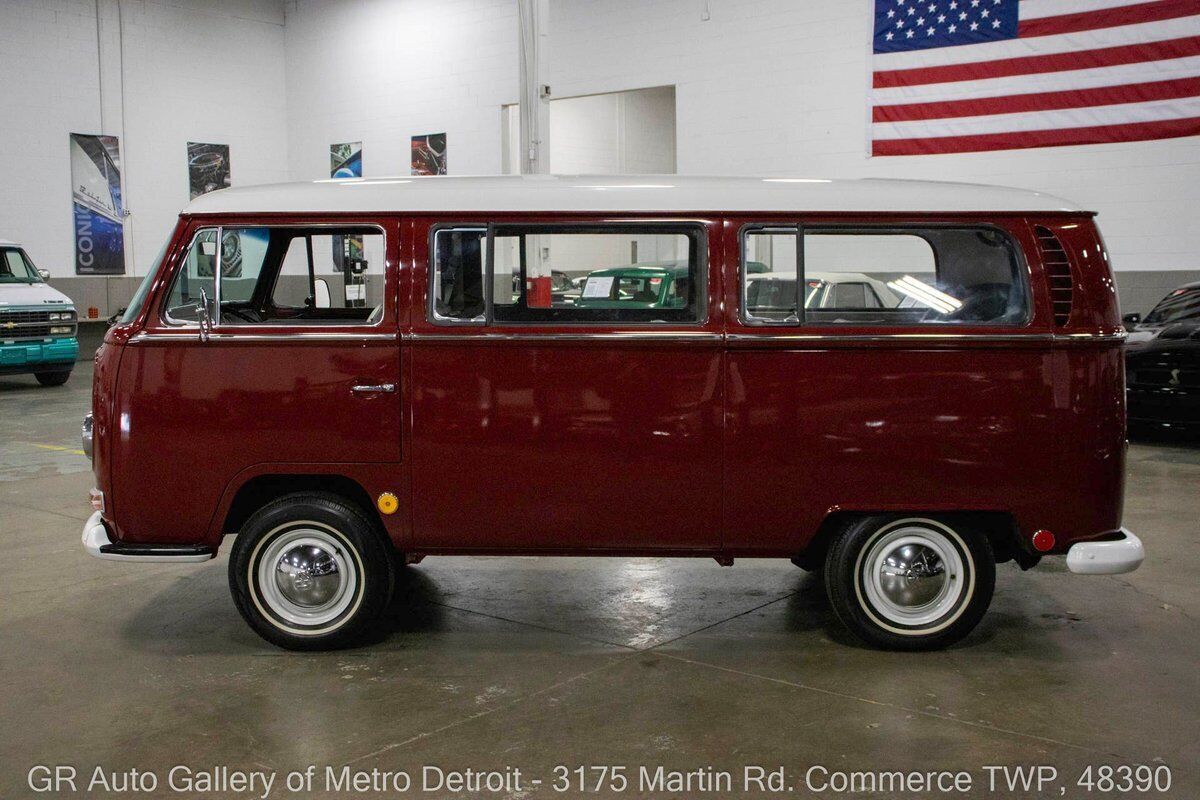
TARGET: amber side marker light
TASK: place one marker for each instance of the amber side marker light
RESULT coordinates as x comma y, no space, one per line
388,503
1043,541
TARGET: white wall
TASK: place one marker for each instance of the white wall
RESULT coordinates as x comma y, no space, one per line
382,71
194,70
764,86
780,87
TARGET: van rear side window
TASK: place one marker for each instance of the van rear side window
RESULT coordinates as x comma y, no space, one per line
882,276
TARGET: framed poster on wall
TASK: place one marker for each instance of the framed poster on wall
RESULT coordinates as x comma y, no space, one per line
345,160
96,205
429,154
208,168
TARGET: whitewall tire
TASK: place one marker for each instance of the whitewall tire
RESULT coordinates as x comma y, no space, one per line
909,582
310,572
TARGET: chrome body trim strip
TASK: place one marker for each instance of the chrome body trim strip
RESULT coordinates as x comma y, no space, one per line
226,336
931,338
283,335
610,336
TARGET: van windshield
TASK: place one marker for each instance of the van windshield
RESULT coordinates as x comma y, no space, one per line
15,267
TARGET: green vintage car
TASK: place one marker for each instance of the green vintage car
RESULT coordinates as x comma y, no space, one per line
657,284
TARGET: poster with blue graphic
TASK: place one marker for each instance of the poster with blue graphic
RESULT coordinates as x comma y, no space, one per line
96,205
345,160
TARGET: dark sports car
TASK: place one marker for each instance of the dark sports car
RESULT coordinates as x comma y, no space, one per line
1162,376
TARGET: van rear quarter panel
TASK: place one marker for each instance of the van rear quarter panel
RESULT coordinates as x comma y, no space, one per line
820,421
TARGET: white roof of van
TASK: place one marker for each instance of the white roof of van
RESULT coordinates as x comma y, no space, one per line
613,193
7,243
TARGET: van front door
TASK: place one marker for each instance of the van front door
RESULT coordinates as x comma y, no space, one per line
272,388
579,412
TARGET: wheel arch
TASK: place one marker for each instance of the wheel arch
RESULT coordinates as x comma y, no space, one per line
999,526
255,492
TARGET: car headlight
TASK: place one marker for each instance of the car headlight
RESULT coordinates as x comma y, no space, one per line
61,330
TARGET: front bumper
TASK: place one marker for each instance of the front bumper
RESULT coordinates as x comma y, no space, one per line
97,543
36,356
1112,557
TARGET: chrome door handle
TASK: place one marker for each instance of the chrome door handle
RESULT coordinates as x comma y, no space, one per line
372,388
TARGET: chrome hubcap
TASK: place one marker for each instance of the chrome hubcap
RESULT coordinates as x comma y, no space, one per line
913,575
308,576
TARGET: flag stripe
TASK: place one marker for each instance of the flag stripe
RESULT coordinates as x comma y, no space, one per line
1092,116
1032,9
1109,18
1042,45
1176,68
1041,101
1030,65
1099,134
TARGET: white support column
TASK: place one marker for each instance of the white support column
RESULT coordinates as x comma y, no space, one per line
534,20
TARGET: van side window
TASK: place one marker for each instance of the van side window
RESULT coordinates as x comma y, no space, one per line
890,276
457,269
283,275
567,274
194,276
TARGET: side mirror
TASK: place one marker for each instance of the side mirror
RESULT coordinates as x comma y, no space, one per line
1131,319
322,291
44,273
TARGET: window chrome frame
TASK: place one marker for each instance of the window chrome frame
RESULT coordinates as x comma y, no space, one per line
268,327
431,312
1022,271
695,231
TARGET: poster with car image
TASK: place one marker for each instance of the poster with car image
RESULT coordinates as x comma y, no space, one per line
96,205
429,154
208,168
345,160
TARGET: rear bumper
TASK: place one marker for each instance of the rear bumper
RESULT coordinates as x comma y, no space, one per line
1112,557
97,544
36,356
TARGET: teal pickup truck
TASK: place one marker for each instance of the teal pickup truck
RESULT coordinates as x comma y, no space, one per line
37,323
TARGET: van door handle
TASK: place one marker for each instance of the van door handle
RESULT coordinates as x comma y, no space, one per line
373,388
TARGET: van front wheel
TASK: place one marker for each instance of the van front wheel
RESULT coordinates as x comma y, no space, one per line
309,572
909,583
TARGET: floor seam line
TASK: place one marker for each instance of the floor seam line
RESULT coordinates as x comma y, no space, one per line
495,710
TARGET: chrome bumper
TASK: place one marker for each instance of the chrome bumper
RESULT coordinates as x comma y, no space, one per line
1107,558
97,543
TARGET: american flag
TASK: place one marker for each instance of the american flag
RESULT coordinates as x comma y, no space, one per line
953,76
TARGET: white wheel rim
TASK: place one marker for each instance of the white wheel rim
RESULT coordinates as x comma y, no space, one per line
284,607
914,576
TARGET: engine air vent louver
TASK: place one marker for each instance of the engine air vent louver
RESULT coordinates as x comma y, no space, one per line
1058,274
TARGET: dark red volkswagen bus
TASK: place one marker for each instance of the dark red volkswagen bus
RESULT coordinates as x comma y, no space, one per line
899,383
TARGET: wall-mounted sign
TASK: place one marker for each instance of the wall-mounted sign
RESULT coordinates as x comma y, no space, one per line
96,205
429,154
208,168
345,160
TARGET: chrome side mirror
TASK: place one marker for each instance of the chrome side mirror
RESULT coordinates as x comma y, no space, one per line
204,317
1131,319
45,274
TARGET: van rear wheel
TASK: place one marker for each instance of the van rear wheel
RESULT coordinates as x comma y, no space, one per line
909,583
310,572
